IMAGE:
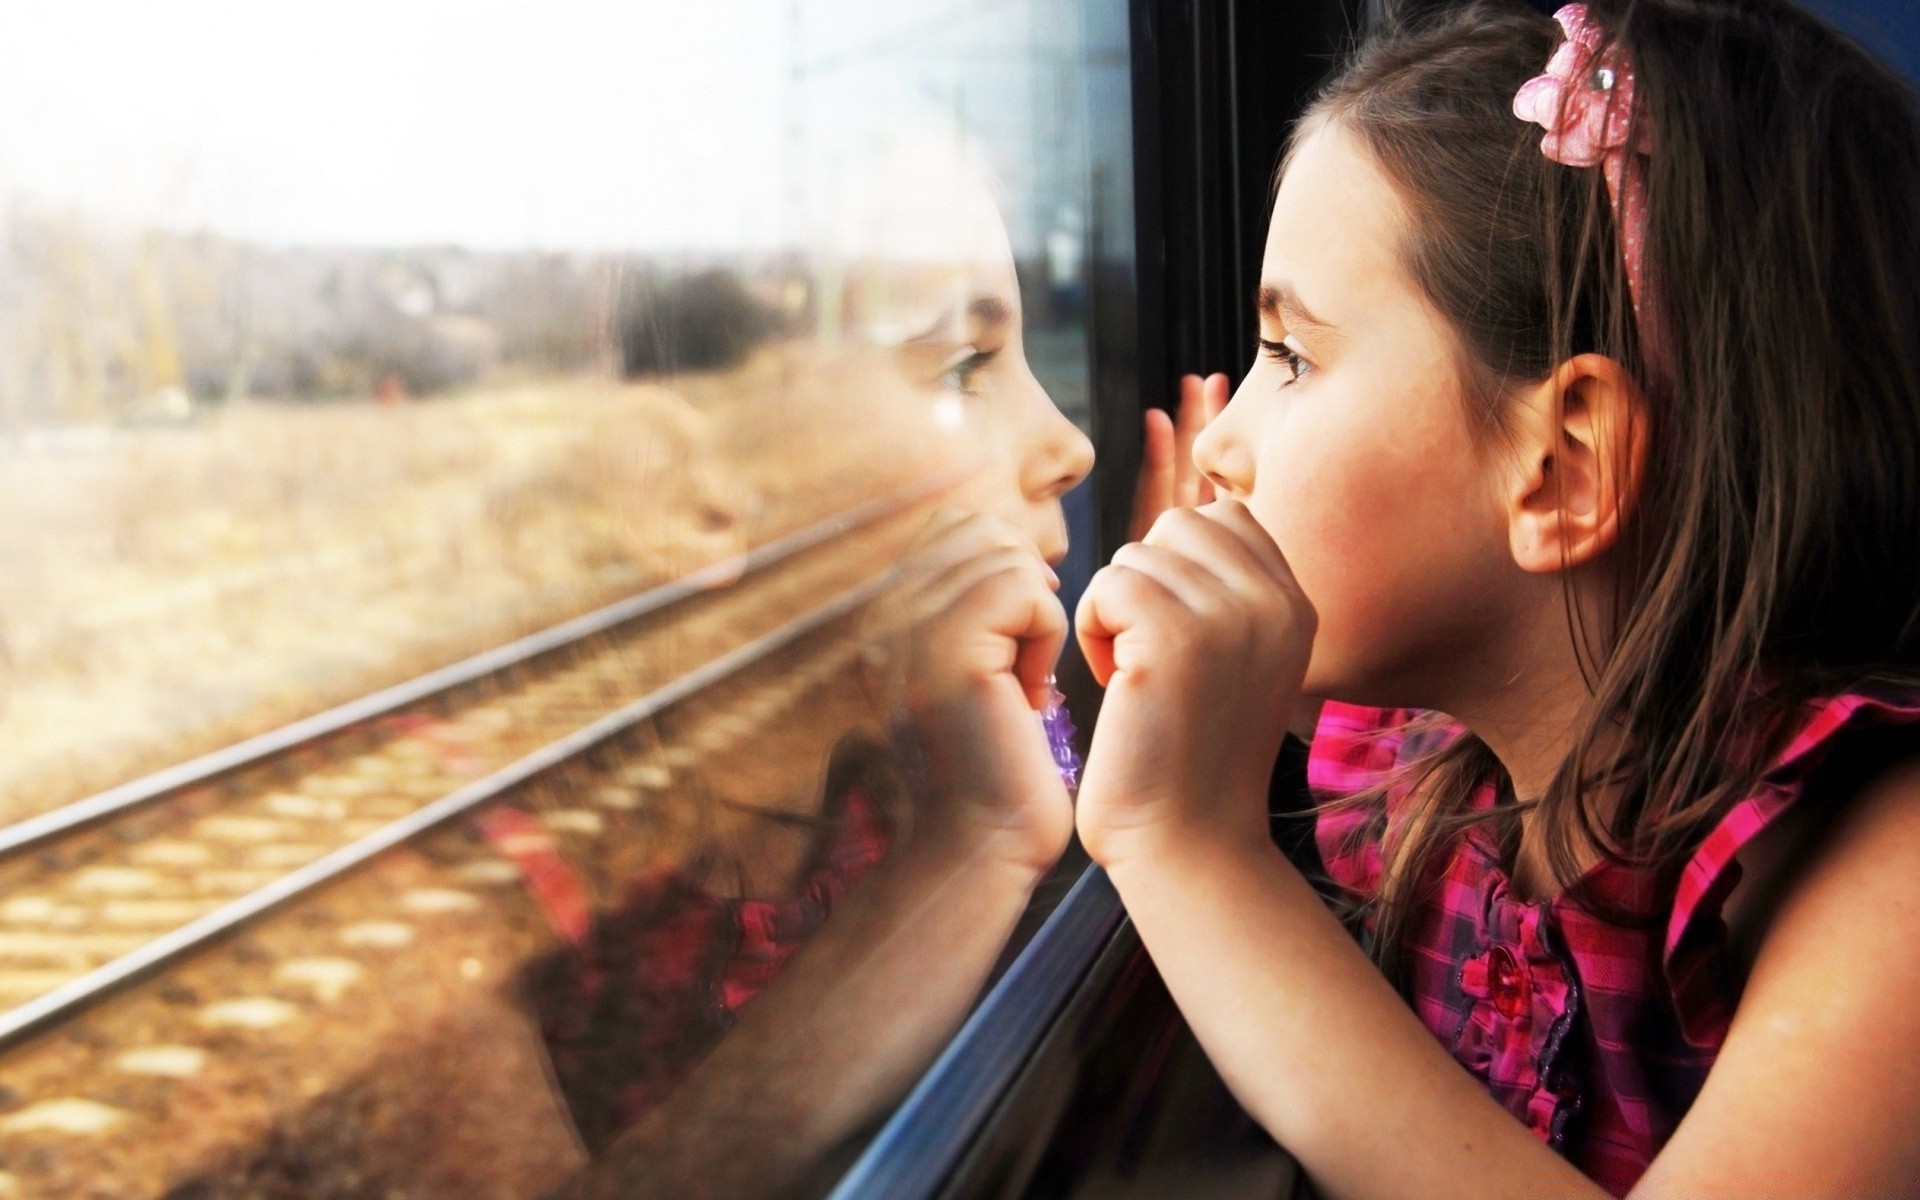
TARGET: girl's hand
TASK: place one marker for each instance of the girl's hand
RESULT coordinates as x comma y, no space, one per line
973,632
1168,478
1201,637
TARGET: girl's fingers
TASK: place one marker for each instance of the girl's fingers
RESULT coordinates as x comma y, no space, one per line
1041,635
1228,527
1159,468
1201,400
939,525
1187,427
1213,402
1117,599
1168,478
944,591
1003,601
937,577
1231,552
961,537
1232,515
1214,396
1189,582
1095,630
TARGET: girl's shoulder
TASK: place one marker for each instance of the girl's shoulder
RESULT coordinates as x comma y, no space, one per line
1839,744
1819,852
1734,879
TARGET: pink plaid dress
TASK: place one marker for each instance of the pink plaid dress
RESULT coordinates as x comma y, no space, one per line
1597,1035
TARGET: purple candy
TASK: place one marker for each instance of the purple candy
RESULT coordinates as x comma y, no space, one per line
1058,723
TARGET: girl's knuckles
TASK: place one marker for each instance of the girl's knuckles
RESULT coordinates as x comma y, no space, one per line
1117,583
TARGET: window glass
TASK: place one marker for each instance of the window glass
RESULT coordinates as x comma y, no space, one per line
500,505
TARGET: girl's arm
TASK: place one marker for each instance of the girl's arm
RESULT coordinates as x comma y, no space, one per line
1817,1090
1815,1094
859,1012
974,630
1313,1041
1201,636
1168,477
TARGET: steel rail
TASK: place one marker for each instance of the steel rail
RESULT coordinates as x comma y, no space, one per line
76,993
714,576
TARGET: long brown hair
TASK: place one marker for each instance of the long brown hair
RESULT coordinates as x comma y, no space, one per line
1773,552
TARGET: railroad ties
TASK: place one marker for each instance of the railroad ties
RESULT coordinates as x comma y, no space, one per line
152,897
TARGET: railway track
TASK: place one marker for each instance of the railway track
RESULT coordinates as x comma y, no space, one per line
100,893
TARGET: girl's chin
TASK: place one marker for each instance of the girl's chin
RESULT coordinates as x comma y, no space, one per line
1328,679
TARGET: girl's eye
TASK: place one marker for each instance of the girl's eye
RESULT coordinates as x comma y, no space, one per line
961,366
1287,356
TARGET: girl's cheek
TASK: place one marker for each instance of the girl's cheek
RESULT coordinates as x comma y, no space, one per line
1307,498
1348,510
995,492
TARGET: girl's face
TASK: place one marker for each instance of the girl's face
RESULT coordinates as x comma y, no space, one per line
1349,442
920,360
986,394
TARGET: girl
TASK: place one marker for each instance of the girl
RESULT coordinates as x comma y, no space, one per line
1587,413
719,1045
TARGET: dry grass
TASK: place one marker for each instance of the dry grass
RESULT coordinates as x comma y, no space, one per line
167,591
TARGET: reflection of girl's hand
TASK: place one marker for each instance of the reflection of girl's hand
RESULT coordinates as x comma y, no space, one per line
974,631
1168,478
1201,637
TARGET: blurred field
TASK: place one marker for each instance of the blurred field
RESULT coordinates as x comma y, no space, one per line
169,590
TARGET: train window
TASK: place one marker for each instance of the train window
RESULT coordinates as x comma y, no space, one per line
496,502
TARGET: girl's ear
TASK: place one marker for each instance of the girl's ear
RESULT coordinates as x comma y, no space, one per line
1580,448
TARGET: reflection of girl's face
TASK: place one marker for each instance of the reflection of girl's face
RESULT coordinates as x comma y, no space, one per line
932,286
983,396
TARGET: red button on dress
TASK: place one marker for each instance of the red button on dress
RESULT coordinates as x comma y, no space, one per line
1508,983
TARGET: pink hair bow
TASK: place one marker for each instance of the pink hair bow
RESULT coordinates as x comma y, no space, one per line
1584,101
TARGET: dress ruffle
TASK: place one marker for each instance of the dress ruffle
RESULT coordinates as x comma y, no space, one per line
1596,1034
1695,954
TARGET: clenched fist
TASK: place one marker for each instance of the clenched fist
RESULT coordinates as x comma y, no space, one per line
1201,637
971,635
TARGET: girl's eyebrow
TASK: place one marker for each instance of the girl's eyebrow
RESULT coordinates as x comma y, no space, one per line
1281,302
941,331
990,312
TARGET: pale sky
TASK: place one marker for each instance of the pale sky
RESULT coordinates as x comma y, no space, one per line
493,123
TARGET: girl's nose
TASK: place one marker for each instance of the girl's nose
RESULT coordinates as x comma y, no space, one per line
1224,458
1061,458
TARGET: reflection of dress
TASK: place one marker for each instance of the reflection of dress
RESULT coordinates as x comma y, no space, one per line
645,991
1597,1034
